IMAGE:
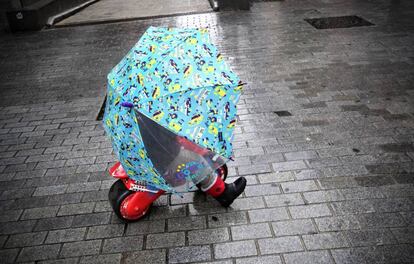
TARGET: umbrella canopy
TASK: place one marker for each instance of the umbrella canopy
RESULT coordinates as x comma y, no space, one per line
177,79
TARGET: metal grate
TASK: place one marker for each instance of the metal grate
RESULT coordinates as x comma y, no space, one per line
282,113
338,22
101,110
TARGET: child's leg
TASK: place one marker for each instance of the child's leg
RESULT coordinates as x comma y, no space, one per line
224,193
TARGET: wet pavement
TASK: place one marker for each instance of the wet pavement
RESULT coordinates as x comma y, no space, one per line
115,10
325,138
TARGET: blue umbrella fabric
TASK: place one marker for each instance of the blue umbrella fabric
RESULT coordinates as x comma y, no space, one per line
178,80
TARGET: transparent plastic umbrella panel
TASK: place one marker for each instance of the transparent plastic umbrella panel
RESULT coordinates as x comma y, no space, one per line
182,163
171,108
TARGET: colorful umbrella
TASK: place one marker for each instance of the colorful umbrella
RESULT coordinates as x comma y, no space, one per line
171,108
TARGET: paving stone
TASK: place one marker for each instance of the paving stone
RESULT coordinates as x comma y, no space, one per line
276,177
257,169
338,223
308,257
91,219
38,158
145,256
307,211
50,190
301,155
266,215
227,219
102,259
323,196
38,253
74,209
289,166
235,249
408,217
208,236
249,152
187,198
122,244
385,254
80,161
283,200
163,212
9,255
251,231
248,203
189,254
3,240
82,248
294,227
103,206
165,240
325,241
362,193
265,159
370,237
83,187
41,212
280,245
65,235
50,164
145,227
261,189
61,199
93,196
377,220
260,260
56,149
335,152
8,228
12,161
54,223
392,205
353,206
187,223
350,255
298,186
60,261
105,231
403,235
11,194
26,239
10,215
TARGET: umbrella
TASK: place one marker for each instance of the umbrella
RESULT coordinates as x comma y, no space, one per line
171,108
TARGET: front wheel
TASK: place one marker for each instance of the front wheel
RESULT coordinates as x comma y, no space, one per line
120,198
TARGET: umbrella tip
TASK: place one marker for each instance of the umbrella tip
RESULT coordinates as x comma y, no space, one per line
127,104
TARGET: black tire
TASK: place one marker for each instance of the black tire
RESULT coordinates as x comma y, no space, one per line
117,193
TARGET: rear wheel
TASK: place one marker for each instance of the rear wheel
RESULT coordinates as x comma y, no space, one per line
119,197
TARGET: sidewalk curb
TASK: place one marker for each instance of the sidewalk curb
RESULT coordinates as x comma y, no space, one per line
98,22
59,17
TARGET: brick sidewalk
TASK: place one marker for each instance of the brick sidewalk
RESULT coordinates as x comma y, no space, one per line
325,140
